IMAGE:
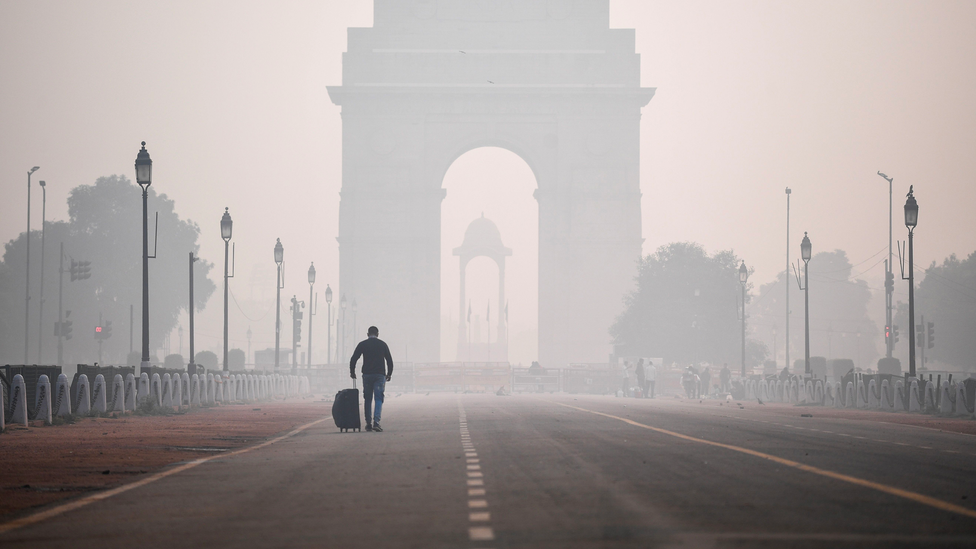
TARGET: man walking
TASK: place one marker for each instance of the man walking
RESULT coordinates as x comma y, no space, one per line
374,351
650,373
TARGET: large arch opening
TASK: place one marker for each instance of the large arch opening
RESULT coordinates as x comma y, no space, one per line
497,184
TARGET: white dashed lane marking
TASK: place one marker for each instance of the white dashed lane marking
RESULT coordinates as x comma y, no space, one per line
475,481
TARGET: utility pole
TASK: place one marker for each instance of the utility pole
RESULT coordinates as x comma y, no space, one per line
60,325
889,270
191,307
40,312
786,347
27,297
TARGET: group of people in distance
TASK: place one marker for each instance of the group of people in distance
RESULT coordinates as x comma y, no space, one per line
695,383
646,379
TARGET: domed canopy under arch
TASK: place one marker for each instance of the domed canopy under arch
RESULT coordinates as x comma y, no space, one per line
482,238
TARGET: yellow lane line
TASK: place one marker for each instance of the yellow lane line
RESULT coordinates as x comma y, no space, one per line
61,509
907,494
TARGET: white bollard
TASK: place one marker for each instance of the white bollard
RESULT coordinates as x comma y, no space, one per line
167,391
185,377
118,395
145,387
195,390
899,396
98,395
42,400
860,396
131,392
873,400
18,401
929,401
239,387
83,396
211,389
913,403
230,392
177,383
961,407
886,403
217,384
62,397
945,399
205,397
849,395
156,390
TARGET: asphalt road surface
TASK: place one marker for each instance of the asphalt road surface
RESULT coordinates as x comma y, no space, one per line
553,471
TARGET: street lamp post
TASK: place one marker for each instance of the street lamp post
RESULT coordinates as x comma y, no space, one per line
806,250
279,257
192,366
786,341
889,274
328,301
743,277
144,179
342,305
911,220
27,295
311,310
40,312
226,231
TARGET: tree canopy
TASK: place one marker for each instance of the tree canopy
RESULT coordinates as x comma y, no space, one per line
684,308
105,228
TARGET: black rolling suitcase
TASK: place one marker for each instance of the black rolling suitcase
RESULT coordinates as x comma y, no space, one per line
345,410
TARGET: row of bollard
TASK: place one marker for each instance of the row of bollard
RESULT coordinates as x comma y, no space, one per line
166,392
947,399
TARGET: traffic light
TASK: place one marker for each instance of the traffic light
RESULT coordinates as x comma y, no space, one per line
889,282
931,335
66,329
920,335
80,270
98,332
887,333
894,334
107,330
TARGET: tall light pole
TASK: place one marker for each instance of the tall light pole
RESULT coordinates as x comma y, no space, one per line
279,257
226,231
743,277
192,366
911,220
788,262
27,295
144,179
342,305
806,250
40,312
311,310
889,273
328,301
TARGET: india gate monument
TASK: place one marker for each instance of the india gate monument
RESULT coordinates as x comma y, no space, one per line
548,80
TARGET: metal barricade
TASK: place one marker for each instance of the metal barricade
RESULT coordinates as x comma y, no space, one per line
527,380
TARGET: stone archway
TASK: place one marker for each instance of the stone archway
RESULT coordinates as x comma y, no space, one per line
549,81
482,239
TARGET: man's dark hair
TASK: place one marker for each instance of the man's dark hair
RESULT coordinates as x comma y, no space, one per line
373,331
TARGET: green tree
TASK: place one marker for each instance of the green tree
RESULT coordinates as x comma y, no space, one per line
838,313
684,307
104,227
235,359
207,359
946,296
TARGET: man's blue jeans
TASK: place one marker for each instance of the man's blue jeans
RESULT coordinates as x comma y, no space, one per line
373,387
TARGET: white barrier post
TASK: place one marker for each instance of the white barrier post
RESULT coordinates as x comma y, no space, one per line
195,390
42,400
913,403
849,401
945,399
118,395
886,403
929,402
145,387
873,400
218,388
167,391
131,392
185,378
177,391
961,407
18,401
899,396
62,398
156,390
99,394
83,396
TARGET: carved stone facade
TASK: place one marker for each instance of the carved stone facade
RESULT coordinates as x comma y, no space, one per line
547,80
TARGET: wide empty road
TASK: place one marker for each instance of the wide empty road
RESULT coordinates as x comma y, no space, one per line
557,471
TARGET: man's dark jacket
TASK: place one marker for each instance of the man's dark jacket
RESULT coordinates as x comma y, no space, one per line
373,350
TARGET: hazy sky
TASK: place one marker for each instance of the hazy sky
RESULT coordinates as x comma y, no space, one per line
751,97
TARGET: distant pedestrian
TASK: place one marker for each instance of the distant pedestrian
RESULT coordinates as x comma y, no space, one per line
626,379
650,373
706,377
725,378
374,351
641,378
